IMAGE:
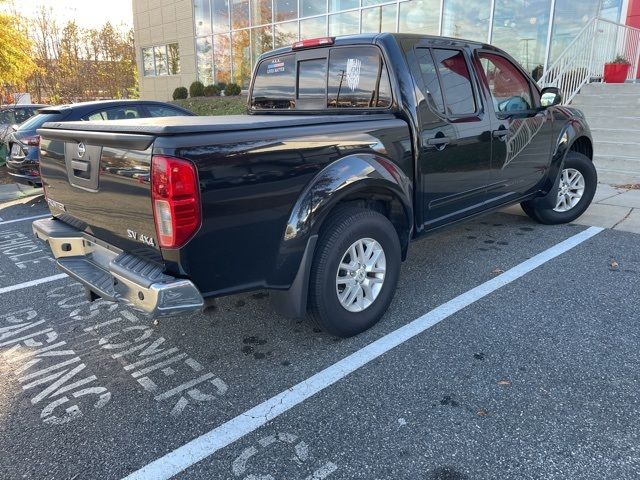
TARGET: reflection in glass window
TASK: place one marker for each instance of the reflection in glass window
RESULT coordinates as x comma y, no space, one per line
509,89
220,15
261,41
379,19
312,78
339,5
285,9
261,12
358,78
520,28
239,13
430,80
275,83
205,66
222,57
202,14
160,54
344,23
286,34
456,81
148,64
313,27
312,7
173,58
241,57
420,16
466,19
570,17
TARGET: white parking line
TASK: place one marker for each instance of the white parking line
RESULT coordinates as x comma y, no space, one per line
33,283
6,222
202,447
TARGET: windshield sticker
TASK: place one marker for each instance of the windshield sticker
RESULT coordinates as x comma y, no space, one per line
276,66
353,73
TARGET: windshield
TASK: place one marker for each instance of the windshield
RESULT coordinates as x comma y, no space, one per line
37,121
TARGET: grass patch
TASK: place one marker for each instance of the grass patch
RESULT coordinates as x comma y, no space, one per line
214,105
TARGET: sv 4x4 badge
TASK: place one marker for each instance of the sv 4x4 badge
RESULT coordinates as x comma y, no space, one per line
141,238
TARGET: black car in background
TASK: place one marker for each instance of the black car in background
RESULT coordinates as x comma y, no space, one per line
10,117
24,143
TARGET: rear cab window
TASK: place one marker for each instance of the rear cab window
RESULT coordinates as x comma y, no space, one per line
336,78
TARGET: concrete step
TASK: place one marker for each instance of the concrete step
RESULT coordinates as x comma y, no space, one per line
611,88
610,111
631,100
614,122
627,149
617,164
622,135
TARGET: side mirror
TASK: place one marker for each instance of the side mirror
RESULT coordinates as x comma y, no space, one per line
550,96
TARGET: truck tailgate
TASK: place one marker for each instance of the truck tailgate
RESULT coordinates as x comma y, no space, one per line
99,183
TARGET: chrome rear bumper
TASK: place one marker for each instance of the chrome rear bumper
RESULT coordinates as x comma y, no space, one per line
115,275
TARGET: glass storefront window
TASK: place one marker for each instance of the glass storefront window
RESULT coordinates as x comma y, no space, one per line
286,34
239,13
222,57
339,5
160,54
312,7
205,65
520,28
379,19
202,14
285,9
467,19
261,12
344,23
313,27
220,15
420,16
173,58
570,17
261,41
241,57
148,66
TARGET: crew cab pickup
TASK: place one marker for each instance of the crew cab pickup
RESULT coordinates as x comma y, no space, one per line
352,147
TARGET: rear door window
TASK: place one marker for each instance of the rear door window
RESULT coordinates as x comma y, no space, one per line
430,80
275,83
456,82
117,113
358,78
351,77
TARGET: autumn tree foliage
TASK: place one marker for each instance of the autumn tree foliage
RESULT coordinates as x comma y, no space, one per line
81,64
16,62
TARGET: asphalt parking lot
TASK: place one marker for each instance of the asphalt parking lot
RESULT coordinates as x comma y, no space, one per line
536,376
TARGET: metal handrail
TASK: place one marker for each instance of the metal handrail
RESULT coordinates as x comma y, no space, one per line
583,60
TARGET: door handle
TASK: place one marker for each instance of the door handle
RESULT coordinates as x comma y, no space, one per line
439,141
500,133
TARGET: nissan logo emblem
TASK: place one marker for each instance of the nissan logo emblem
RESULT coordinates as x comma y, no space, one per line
81,150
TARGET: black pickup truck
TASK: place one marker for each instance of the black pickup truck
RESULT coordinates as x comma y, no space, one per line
352,147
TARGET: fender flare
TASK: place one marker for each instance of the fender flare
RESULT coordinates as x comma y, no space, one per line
338,180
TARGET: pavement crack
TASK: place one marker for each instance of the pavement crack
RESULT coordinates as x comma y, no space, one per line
625,217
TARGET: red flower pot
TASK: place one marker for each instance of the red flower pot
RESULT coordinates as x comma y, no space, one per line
615,72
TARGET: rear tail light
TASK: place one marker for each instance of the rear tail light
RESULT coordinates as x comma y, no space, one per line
31,141
313,42
176,200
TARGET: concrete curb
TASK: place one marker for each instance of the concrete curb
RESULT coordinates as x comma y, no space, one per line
15,191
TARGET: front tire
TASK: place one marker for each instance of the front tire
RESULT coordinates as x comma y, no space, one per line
355,271
578,183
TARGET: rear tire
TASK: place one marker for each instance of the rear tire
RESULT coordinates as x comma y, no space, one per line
578,183
354,272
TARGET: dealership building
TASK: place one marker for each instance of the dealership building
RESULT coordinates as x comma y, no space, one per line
179,41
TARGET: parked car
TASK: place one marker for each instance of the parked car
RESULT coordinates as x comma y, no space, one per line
353,147
10,117
24,143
